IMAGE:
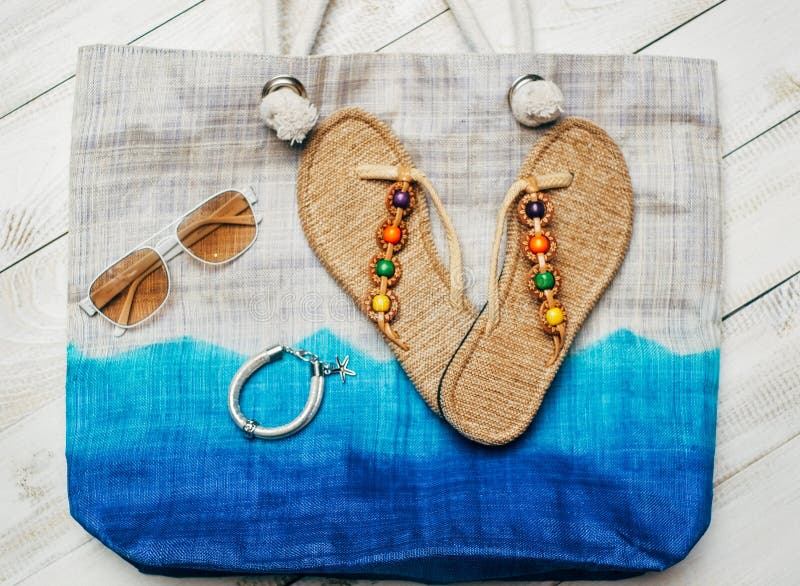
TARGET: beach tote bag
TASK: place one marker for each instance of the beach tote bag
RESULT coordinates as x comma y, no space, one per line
614,476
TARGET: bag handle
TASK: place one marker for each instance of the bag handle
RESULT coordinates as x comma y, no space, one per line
468,15
302,39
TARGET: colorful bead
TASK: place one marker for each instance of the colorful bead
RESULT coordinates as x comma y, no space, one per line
401,199
538,244
544,280
535,209
554,316
392,234
384,268
381,303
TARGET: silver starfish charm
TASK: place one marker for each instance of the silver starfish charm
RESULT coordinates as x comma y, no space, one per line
341,368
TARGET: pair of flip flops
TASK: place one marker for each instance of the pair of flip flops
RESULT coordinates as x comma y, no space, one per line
567,220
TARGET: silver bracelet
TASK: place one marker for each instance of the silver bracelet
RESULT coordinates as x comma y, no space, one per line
319,370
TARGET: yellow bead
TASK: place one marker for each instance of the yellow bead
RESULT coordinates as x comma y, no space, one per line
554,316
381,303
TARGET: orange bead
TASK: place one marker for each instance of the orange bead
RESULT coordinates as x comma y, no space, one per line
392,234
539,244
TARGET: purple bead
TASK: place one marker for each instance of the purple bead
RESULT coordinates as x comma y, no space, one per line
401,199
535,209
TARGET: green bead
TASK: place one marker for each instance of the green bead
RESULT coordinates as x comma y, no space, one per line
384,268
544,280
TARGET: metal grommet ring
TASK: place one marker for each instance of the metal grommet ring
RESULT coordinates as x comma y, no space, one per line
520,81
281,81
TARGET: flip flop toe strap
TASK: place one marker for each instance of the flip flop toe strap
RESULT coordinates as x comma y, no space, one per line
381,303
534,211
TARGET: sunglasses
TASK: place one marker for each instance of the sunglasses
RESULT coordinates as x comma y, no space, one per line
133,288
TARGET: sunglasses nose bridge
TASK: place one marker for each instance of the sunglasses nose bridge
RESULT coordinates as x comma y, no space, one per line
168,247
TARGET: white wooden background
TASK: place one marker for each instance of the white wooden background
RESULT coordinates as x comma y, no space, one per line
755,532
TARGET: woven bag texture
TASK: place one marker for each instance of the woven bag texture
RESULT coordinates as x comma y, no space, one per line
613,477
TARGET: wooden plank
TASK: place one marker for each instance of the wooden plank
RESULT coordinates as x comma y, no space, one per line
755,46
601,27
761,213
609,26
36,527
95,564
355,26
759,397
753,533
33,297
34,167
439,35
318,581
35,59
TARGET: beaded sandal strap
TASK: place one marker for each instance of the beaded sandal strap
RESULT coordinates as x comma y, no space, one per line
381,303
534,211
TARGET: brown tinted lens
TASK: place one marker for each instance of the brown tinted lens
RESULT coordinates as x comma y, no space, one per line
132,289
219,229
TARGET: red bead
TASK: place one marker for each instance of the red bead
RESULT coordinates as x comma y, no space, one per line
392,234
539,244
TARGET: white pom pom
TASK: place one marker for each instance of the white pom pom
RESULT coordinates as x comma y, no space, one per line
289,114
536,101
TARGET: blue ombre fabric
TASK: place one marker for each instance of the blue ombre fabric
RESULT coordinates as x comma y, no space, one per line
614,476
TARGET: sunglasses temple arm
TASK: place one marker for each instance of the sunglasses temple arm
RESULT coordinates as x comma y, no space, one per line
212,220
196,231
125,312
114,287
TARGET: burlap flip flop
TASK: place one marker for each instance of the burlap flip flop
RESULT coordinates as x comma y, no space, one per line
568,220
350,174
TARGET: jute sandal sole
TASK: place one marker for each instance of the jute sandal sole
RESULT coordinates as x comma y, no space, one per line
346,169
497,379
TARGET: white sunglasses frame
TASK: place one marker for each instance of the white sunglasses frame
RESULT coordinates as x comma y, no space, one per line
168,248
